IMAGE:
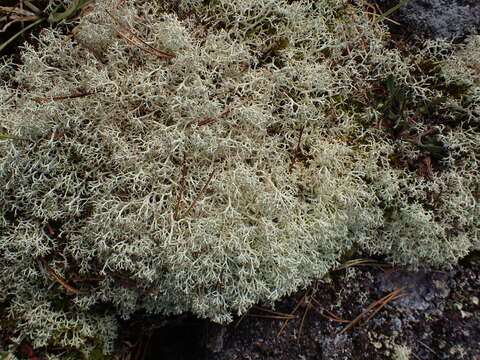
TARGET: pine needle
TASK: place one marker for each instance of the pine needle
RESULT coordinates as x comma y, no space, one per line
380,303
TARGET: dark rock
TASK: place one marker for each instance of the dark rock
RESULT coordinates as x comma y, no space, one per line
421,287
338,347
438,18
215,337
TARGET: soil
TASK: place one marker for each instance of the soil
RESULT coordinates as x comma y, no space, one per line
437,317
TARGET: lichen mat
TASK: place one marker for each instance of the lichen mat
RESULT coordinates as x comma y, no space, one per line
207,156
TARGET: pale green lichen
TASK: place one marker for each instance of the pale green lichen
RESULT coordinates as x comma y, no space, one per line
401,352
98,189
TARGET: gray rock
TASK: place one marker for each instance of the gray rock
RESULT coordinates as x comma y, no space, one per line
396,325
424,289
337,348
438,18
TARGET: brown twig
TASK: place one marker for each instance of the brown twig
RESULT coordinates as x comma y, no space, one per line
184,172
143,347
125,37
151,49
133,285
240,320
328,317
50,229
222,115
297,150
61,280
85,279
56,98
21,19
185,214
126,281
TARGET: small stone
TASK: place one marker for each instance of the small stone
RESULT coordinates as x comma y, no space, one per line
396,324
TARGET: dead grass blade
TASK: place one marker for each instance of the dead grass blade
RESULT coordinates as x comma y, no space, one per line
126,38
184,172
22,19
381,305
10,137
133,285
390,11
10,10
85,279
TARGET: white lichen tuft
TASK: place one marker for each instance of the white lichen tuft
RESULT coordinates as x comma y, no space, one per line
183,183
401,352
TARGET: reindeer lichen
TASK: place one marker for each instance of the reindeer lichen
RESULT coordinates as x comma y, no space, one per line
204,156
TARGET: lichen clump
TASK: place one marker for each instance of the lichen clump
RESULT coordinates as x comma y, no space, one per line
233,169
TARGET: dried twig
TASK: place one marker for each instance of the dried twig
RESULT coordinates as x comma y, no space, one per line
10,137
59,279
133,285
176,215
429,348
126,281
297,150
9,10
85,279
56,98
22,19
185,214
222,115
125,37
151,49
182,187
275,317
